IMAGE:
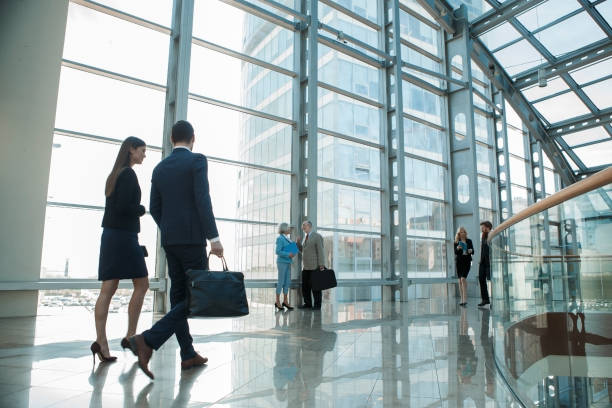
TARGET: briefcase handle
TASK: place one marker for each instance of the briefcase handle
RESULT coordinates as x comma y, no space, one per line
223,262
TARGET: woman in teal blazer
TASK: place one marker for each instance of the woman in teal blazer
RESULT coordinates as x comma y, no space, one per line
285,251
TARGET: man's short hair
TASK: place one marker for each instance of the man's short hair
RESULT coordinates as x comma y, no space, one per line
487,224
182,132
307,222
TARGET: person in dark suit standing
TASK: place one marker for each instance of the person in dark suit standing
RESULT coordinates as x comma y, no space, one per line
484,268
313,260
181,207
121,257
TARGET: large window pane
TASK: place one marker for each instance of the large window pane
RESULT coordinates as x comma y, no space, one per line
571,34
425,218
249,248
429,259
516,141
600,94
483,159
419,33
228,79
71,243
97,39
348,116
348,161
349,74
519,199
248,194
485,189
424,179
423,140
69,185
246,138
348,208
422,103
562,107
518,173
595,155
225,25
353,256
519,57
94,104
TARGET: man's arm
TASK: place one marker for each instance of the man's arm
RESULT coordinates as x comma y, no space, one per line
204,205
155,203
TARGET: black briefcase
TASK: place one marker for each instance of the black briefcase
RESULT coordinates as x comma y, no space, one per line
216,293
323,279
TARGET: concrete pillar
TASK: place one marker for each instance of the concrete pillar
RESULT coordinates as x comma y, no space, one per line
31,45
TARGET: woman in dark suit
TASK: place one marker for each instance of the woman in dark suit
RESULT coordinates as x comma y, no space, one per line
463,261
121,256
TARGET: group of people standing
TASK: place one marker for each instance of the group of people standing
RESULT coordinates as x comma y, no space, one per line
464,251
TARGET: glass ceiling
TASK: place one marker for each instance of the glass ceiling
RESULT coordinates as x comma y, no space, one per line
551,32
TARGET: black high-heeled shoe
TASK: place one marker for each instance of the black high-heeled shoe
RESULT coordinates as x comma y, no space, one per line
278,307
287,306
97,349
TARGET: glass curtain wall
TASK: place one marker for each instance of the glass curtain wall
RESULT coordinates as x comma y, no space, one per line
241,95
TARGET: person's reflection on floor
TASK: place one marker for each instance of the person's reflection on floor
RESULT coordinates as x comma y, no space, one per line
313,343
126,379
186,383
97,379
487,345
285,367
466,365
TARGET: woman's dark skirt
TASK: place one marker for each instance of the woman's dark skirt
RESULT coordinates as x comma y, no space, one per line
463,267
121,257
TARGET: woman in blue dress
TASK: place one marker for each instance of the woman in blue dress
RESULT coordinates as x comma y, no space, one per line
285,251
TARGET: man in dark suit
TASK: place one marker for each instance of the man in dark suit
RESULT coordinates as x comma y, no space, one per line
484,268
314,260
181,207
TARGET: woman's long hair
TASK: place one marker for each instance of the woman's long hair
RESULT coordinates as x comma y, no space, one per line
122,161
457,237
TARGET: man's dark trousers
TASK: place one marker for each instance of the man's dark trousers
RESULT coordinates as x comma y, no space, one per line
484,274
307,290
180,259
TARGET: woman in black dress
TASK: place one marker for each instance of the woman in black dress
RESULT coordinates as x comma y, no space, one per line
121,256
463,261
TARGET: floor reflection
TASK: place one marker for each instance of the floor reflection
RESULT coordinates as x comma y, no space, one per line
425,353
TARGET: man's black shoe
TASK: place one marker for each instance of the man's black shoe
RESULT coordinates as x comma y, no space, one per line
304,307
316,308
483,304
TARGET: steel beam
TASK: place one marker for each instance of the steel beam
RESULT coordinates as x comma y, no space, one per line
603,117
285,9
123,15
312,109
495,17
574,60
463,159
177,91
395,161
350,51
345,38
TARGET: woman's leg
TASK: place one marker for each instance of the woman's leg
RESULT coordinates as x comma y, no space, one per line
286,282
101,312
141,285
279,282
462,289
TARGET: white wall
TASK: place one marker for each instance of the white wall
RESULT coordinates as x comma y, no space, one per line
31,44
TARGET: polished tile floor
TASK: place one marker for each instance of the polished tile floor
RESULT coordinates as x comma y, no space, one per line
423,353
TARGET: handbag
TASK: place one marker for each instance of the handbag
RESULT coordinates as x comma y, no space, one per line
216,293
323,279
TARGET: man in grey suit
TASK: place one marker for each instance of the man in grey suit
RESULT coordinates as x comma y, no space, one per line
314,261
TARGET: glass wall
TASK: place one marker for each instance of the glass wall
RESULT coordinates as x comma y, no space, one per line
244,80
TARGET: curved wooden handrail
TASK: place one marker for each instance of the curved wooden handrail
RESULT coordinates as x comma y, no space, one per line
591,183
